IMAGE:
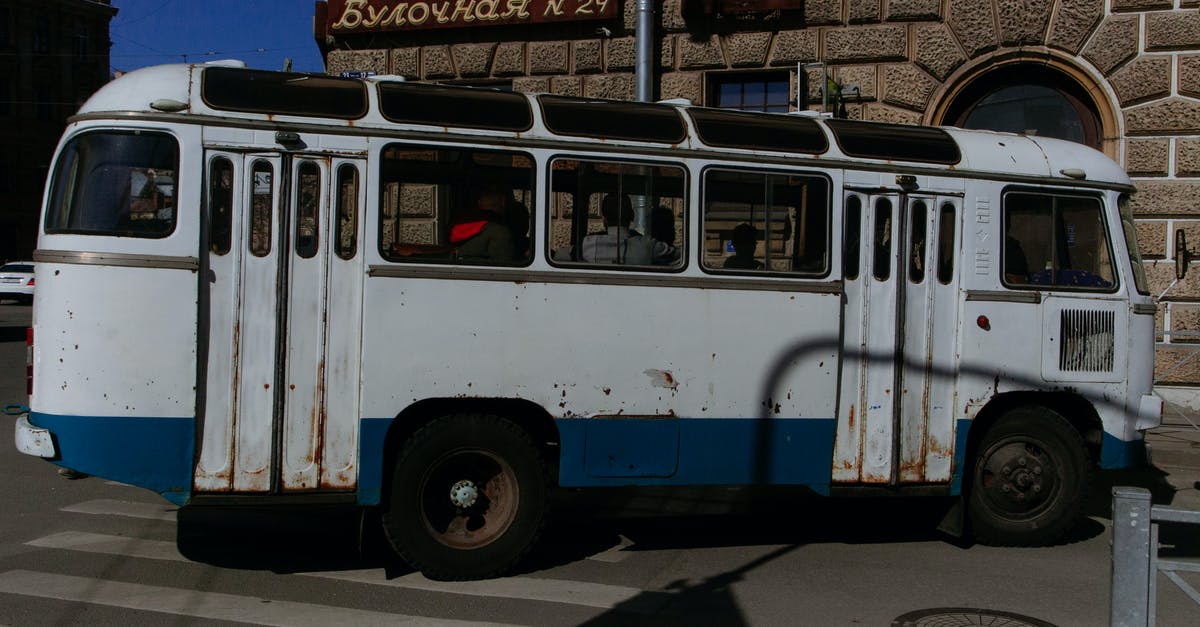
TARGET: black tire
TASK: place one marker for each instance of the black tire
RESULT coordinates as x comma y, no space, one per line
1029,479
468,498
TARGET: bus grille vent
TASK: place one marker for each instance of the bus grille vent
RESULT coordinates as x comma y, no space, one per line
1087,341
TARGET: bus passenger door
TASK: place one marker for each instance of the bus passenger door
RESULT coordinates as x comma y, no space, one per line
281,395
318,432
894,408
239,300
928,328
864,447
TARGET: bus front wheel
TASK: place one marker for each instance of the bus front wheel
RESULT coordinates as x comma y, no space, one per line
467,497
1029,479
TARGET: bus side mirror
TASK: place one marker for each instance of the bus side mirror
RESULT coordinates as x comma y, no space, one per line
1183,256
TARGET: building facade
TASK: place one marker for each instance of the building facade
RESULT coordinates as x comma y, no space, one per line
53,55
1120,75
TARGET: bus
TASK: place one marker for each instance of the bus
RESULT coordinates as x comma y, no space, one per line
443,302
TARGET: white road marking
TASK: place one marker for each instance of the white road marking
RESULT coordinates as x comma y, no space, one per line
110,545
111,507
526,588
209,605
615,554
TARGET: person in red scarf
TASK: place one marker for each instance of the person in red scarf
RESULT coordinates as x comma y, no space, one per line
479,236
483,235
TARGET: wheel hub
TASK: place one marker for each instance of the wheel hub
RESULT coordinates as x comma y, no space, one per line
1015,478
463,494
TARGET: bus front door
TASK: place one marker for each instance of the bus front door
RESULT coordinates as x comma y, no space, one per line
281,316
895,408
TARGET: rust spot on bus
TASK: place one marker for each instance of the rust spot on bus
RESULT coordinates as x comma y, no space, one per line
850,419
661,379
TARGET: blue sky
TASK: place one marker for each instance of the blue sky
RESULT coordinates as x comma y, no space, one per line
260,32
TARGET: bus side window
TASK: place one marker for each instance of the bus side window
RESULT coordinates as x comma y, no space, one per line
220,205
945,267
882,242
261,199
308,195
451,205
766,221
852,235
346,241
1056,240
610,213
916,238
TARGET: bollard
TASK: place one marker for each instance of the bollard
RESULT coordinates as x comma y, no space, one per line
1131,559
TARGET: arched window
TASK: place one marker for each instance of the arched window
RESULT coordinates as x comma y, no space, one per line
1027,98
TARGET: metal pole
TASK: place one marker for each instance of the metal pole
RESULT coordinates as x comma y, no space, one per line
643,63
1131,576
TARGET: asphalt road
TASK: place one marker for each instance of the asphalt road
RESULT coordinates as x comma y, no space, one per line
92,552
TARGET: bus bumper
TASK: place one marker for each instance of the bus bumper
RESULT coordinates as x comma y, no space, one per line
1149,414
34,441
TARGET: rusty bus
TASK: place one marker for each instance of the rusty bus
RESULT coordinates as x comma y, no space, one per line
442,302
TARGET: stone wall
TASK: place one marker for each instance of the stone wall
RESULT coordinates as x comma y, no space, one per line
1141,59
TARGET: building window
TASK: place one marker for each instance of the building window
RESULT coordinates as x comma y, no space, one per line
4,17
1028,99
41,35
758,91
80,41
6,97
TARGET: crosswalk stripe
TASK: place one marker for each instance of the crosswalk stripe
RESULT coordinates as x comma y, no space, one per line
110,545
526,588
209,605
129,509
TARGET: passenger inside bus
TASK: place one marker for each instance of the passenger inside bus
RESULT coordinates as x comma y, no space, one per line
484,235
619,243
745,241
480,235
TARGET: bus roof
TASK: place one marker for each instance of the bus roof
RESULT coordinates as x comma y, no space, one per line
227,89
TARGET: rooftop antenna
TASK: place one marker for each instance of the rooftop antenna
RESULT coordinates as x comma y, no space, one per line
287,64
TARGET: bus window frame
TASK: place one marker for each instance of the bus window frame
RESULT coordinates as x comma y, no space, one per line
771,171
1103,208
53,185
619,159
528,153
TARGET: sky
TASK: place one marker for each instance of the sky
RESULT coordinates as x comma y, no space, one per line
263,33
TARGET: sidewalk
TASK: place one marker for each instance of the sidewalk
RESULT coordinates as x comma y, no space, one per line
1174,448
1176,443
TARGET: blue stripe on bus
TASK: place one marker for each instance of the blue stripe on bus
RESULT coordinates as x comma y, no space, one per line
1116,453
672,451
152,453
697,451
373,433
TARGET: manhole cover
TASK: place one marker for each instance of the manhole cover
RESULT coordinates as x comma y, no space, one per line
966,617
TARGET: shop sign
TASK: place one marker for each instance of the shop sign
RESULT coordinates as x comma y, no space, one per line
345,17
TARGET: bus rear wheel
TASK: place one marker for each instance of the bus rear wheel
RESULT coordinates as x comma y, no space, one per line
467,498
1029,479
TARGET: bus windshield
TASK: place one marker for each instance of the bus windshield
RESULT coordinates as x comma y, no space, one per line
115,183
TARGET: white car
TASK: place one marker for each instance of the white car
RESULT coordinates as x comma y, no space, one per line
16,281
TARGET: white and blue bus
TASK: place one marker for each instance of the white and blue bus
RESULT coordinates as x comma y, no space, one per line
441,302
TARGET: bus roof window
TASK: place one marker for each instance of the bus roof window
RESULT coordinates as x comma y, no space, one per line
283,93
455,106
900,142
739,129
637,121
